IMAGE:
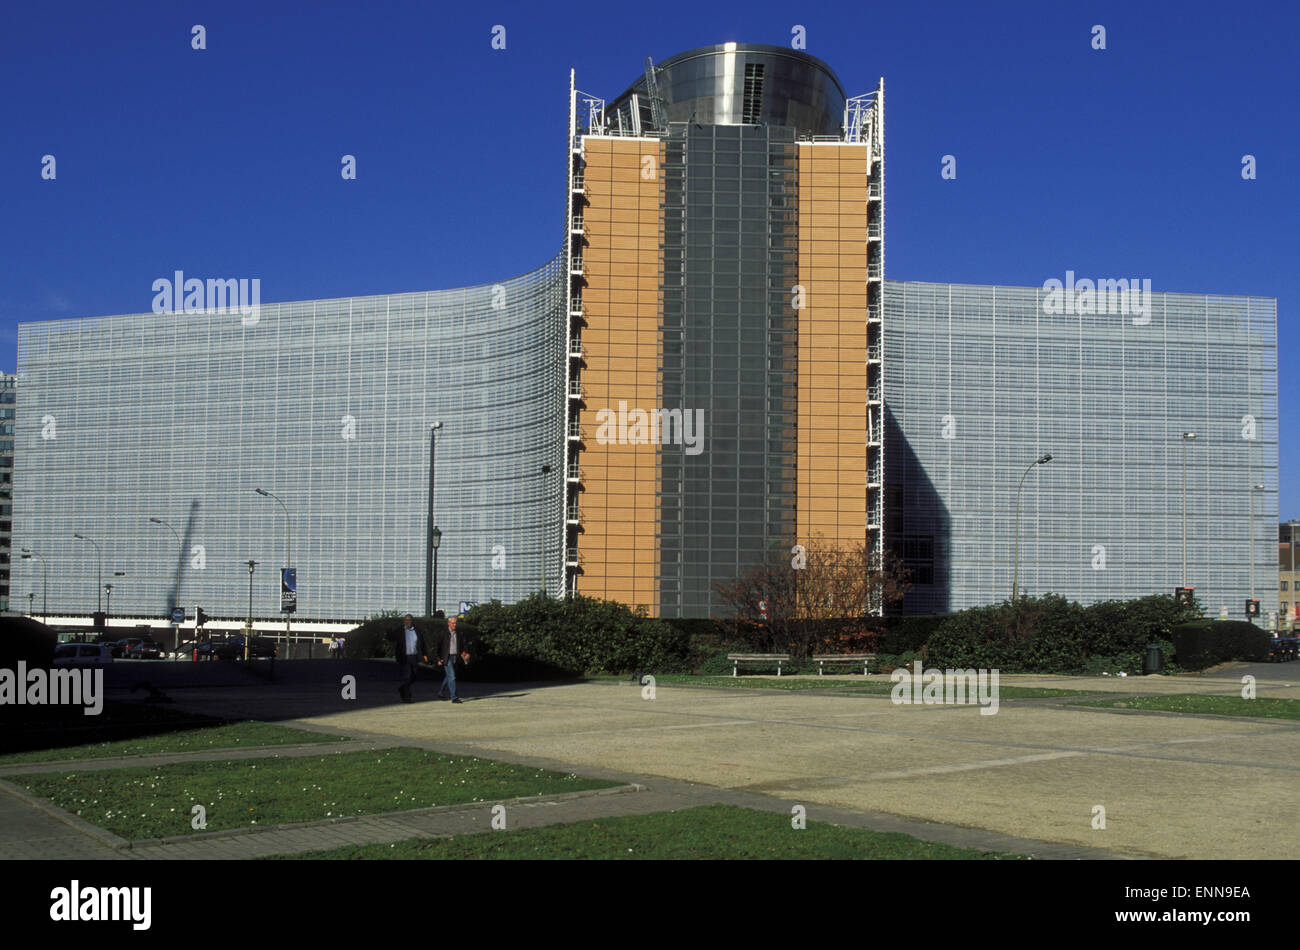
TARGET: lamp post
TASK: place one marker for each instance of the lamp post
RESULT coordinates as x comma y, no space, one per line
1187,437
431,527
108,602
1251,536
99,580
31,594
248,637
27,554
176,534
435,540
1015,571
546,469
288,556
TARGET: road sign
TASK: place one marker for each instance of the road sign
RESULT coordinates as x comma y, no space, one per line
467,605
178,615
762,610
288,590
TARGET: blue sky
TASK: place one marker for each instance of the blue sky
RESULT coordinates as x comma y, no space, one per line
225,161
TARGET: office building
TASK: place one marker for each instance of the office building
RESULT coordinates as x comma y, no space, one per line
712,366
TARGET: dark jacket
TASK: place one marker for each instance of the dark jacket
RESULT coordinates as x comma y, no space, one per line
444,644
398,639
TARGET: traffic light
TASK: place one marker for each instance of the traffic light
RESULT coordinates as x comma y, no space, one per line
200,618
1252,607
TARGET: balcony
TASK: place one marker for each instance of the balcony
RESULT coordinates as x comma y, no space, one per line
572,558
575,389
575,430
873,394
571,514
579,184
575,346
575,306
573,472
873,354
575,226
575,266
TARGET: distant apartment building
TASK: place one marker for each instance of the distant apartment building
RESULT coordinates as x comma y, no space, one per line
1288,534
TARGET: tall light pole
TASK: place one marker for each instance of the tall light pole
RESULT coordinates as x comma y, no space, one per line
436,541
108,602
27,554
178,548
431,525
1187,437
1251,537
99,580
288,556
546,469
248,637
1015,571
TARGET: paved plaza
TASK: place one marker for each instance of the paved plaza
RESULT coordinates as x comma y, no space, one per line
1026,779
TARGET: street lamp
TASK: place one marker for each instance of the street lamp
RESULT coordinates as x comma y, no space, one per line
435,540
1251,536
1015,571
1187,437
288,557
177,592
248,637
546,470
432,536
99,580
108,602
27,554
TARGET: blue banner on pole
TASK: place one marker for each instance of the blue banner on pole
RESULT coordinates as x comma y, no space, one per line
288,590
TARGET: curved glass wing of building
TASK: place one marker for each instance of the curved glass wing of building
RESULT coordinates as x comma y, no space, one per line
983,380
327,404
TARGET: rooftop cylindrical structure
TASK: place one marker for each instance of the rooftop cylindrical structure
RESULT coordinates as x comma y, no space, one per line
744,84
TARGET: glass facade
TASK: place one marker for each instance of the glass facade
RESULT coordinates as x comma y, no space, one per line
730,349
980,382
326,404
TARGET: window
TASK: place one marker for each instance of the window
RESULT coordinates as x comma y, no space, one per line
753,100
1284,585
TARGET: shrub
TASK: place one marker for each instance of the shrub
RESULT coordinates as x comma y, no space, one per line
1207,642
907,634
576,635
22,638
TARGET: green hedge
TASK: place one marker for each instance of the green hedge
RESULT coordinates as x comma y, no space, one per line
899,634
1053,635
576,635
1207,642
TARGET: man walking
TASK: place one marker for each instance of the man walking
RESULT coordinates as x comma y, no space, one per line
449,651
410,649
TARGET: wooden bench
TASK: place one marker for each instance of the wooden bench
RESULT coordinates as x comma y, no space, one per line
865,659
739,658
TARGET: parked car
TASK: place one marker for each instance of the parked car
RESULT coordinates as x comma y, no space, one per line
232,648
82,654
139,648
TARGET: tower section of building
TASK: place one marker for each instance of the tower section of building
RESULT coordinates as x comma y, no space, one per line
728,319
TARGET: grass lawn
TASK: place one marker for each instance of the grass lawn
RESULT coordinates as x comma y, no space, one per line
710,832
1215,705
140,802
246,734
